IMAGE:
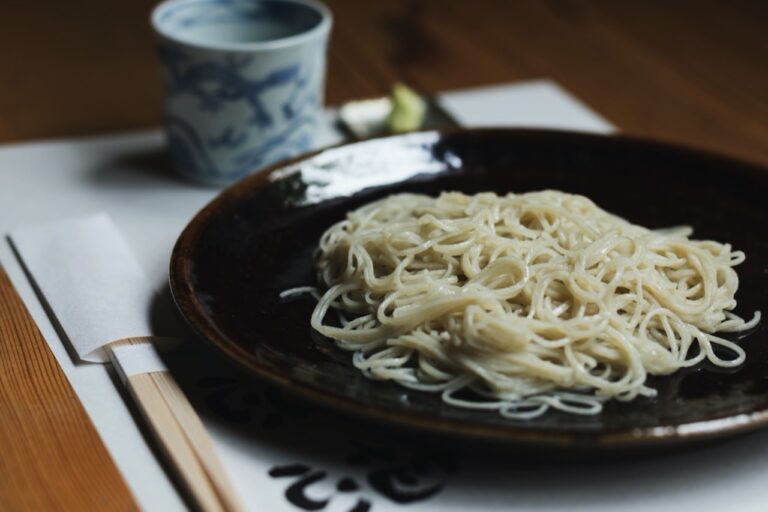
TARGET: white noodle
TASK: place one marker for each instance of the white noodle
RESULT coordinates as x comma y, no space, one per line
530,301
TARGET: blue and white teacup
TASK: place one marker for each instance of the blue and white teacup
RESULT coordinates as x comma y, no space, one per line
243,82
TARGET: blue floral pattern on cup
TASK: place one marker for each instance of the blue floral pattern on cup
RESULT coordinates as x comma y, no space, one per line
234,107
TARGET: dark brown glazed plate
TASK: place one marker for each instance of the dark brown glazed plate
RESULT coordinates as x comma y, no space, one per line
257,238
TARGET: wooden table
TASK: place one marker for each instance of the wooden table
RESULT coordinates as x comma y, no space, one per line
694,72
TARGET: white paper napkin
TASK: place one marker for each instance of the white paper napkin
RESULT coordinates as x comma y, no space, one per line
90,279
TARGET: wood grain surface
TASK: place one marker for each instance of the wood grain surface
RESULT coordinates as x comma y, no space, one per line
51,457
688,71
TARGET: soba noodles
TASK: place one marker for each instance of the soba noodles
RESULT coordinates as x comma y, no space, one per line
523,302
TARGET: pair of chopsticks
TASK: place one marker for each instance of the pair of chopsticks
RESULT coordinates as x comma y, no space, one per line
180,433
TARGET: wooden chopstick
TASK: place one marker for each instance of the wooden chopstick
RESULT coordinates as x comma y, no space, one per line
181,435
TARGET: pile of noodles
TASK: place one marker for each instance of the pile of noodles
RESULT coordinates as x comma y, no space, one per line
522,302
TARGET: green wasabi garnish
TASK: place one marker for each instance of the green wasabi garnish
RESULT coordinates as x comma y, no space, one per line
408,109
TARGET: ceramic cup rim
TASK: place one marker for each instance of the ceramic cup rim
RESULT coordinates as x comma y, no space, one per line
319,30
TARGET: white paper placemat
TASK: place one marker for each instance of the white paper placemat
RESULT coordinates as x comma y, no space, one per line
284,456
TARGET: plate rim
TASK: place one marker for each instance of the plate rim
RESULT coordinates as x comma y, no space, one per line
194,315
